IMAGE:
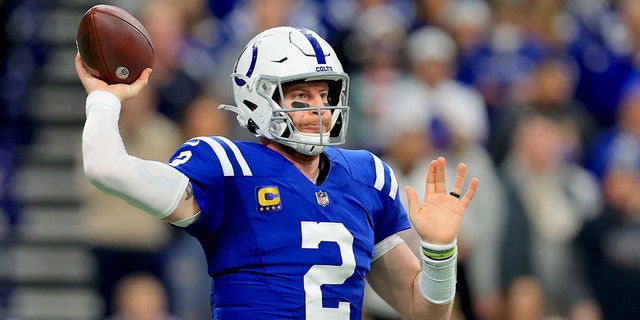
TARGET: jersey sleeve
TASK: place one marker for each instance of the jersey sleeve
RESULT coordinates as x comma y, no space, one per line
393,216
197,160
205,162
388,214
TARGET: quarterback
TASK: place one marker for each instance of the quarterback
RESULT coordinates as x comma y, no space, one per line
292,226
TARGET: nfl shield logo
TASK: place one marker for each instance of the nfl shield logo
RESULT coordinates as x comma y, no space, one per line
323,198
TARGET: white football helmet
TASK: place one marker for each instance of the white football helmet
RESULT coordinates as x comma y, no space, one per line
280,55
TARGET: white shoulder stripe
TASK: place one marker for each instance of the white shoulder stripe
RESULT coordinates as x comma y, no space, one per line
246,171
380,179
227,168
394,185
379,173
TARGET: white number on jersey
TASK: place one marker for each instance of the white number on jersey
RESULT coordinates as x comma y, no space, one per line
313,233
183,157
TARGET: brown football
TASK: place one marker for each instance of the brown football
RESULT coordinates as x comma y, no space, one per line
113,44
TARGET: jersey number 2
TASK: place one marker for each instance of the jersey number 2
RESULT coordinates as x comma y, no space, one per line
312,234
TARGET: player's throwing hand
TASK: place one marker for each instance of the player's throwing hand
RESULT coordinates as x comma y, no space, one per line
122,91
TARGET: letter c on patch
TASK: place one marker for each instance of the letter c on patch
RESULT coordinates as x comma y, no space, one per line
269,196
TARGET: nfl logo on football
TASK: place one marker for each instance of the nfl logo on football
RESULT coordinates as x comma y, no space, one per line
323,198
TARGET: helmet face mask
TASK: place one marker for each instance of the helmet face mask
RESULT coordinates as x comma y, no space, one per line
274,58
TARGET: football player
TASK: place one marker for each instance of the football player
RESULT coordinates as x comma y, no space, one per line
291,226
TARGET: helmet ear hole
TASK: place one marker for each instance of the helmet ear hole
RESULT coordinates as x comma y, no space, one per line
337,127
252,106
252,126
335,91
277,96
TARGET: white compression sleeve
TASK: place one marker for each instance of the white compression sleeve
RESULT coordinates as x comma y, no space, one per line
152,186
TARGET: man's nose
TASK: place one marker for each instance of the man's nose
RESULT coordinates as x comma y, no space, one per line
316,101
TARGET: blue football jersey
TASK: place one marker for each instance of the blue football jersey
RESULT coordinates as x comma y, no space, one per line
277,245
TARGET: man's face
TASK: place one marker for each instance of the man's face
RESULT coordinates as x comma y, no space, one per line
310,94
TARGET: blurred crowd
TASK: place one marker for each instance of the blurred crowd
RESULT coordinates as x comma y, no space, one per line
21,54
540,98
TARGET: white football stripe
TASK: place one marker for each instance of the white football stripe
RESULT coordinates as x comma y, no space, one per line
239,157
394,185
379,173
227,168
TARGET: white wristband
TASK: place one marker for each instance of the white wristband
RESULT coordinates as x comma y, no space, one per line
437,281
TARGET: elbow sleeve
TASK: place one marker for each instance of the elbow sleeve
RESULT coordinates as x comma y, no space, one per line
152,186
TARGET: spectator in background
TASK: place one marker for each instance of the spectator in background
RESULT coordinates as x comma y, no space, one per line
430,13
459,112
503,62
198,28
140,296
181,93
221,8
624,134
609,246
550,196
339,19
525,300
375,45
605,45
468,22
549,91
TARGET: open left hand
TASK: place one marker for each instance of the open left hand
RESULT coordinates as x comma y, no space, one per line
438,219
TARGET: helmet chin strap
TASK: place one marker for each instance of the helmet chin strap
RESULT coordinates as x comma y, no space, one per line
305,143
308,149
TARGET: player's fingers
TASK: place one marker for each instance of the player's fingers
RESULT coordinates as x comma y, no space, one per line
80,68
468,196
89,82
140,83
412,200
78,61
431,178
441,180
146,73
458,183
